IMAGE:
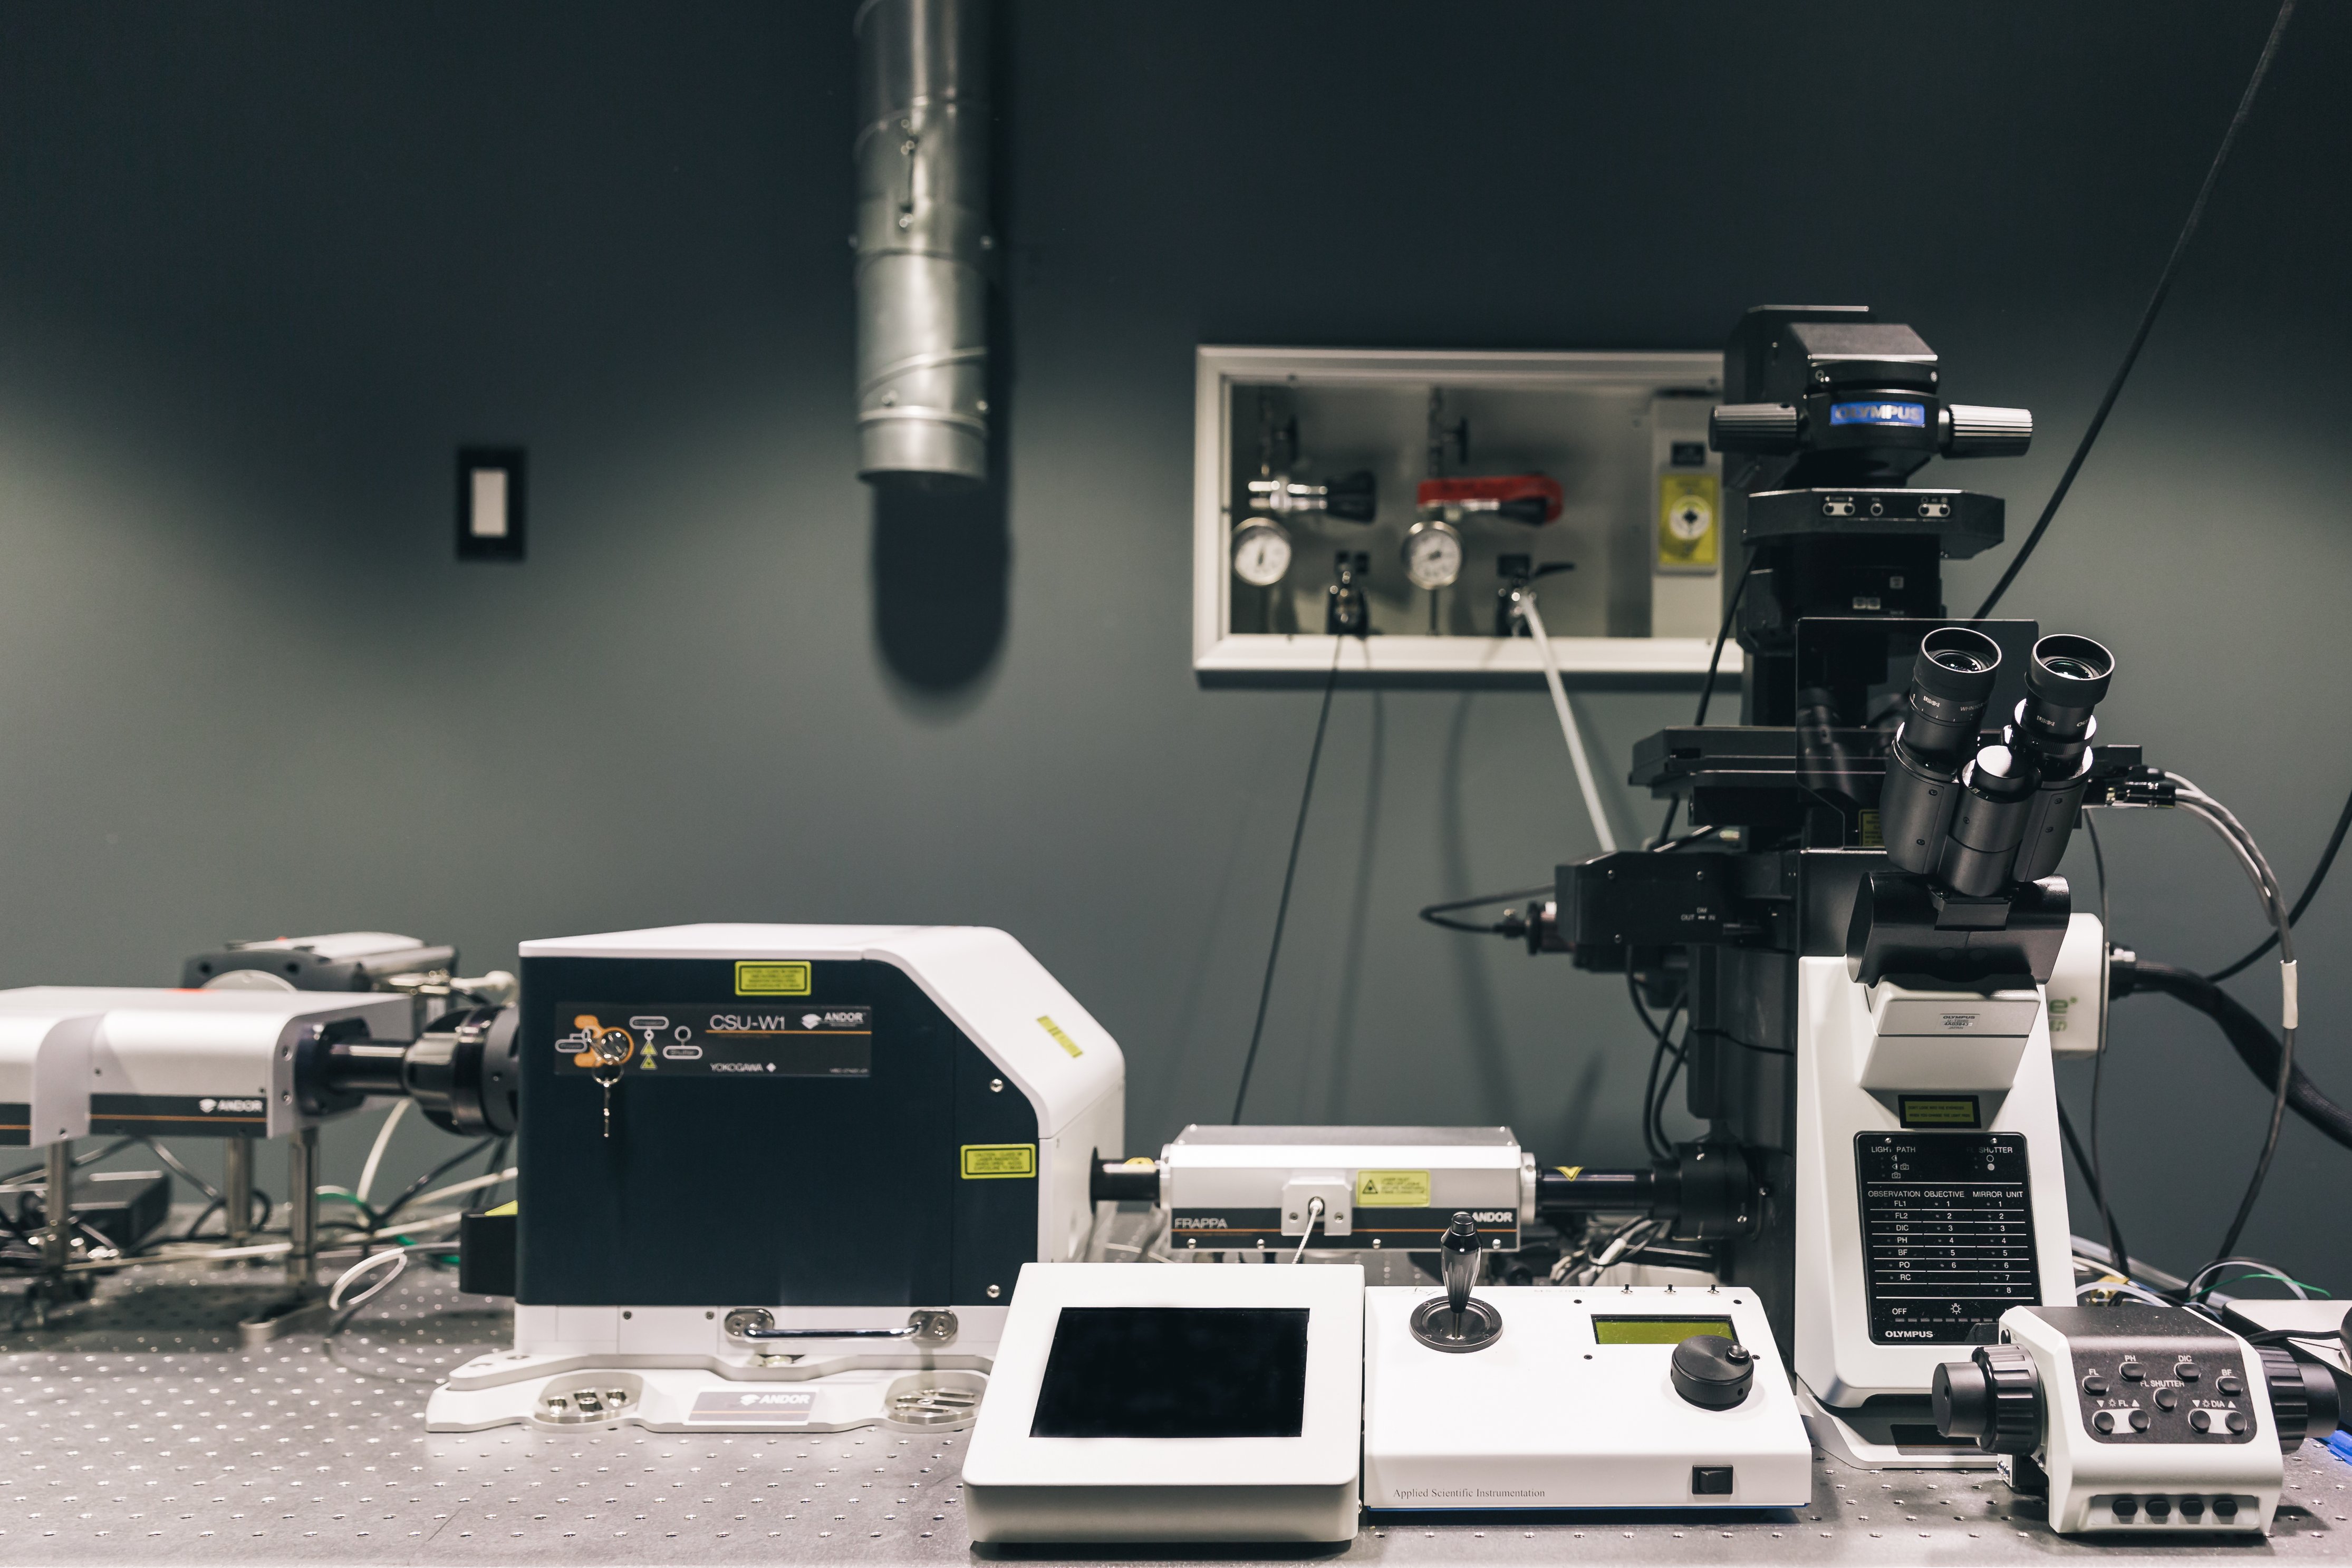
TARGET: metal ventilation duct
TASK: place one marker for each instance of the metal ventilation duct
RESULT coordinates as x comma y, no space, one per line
922,238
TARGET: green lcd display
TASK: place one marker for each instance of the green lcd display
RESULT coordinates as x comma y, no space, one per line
1657,1331
1940,1111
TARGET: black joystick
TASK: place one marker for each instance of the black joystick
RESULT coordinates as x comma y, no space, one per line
1461,1322
1712,1372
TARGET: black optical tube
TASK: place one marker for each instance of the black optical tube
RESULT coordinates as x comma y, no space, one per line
2054,729
1950,682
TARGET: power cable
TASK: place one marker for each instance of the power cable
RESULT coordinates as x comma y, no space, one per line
1289,873
2318,875
383,1215
2148,317
2096,1174
1714,662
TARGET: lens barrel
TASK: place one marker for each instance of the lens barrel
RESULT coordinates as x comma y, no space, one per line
2055,730
1996,797
1950,680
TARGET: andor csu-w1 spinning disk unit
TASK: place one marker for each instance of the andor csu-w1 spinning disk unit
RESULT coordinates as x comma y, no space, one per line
785,1176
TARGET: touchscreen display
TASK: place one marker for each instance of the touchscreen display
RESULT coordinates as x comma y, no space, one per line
1175,1372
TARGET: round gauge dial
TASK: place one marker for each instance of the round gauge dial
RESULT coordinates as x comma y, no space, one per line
1261,552
1433,554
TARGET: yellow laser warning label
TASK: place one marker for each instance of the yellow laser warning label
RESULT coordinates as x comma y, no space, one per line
1064,1041
1687,514
1392,1190
997,1162
769,979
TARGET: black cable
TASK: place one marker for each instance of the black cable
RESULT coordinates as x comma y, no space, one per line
1435,912
1714,662
2089,1173
1290,871
1661,1033
2318,875
1666,1091
2251,1038
173,1160
383,1215
2097,1173
2148,317
89,1159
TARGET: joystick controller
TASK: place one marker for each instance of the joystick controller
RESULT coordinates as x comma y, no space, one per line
1460,1322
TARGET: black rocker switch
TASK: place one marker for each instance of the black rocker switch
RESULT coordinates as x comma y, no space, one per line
1710,1481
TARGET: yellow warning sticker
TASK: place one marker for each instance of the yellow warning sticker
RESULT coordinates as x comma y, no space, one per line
1064,1041
1392,1190
1687,522
769,978
996,1161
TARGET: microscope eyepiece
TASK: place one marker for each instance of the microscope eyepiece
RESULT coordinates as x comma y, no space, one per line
2069,673
1956,662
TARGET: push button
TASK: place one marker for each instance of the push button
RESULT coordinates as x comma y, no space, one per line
2139,1420
2186,1372
2168,1399
2133,1371
2159,1508
2228,1383
2192,1508
2237,1423
2126,1507
2225,1508
2095,1385
2201,1420
2104,1420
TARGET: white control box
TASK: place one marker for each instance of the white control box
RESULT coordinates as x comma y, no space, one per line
1574,1406
1137,1404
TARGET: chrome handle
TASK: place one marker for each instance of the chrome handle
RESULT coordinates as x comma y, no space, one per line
930,1326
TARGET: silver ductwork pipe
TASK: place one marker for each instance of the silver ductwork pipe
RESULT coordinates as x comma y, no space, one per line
922,238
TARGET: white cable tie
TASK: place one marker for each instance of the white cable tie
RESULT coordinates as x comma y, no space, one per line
2287,1012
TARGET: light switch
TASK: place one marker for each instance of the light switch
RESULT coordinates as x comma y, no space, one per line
490,503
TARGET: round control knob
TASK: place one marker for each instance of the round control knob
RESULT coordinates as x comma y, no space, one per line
1995,1398
1712,1372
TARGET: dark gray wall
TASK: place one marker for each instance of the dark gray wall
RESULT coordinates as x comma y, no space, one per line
263,266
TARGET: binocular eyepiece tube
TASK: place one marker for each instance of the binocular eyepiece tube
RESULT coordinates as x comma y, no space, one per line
1978,819
1951,681
2053,725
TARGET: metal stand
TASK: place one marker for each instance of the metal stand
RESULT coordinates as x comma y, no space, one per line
237,1190
54,1287
303,1310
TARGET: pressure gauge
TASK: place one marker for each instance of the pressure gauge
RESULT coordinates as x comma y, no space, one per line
1433,554
1261,552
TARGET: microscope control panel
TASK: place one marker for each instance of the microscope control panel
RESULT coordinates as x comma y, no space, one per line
1948,1229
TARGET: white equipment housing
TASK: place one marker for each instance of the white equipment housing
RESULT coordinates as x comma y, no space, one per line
1123,1483
1550,1416
45,1074
206,1063
1911,1081
2087,1476
684,1366
1251,1188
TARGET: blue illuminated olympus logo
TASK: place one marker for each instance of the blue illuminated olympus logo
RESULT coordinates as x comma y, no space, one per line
1908,414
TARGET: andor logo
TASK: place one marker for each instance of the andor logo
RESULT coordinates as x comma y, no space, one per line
229,1107
791,1401
206,1106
